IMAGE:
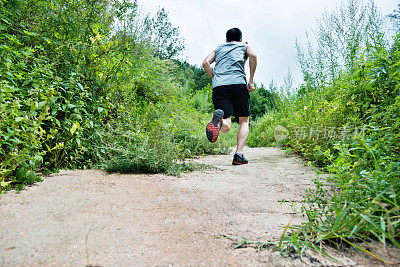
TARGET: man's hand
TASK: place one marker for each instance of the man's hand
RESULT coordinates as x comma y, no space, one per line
251,87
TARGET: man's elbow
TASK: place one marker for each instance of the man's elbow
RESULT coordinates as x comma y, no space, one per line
205,63
253,56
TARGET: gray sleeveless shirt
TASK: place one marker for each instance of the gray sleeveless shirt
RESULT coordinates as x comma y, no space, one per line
230,59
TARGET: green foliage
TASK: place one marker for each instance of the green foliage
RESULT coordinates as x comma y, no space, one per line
83,83
340,40
262,130
262,100
157,137
360,103
395,17
165,37
157,32
190,76
202,100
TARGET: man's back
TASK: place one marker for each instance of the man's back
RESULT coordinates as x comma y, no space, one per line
230,59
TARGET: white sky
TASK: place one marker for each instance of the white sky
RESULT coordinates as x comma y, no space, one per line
269,26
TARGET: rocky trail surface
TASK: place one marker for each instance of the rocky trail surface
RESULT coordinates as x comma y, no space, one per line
89,217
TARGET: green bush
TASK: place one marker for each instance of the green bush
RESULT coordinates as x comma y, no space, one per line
79,90
157,138
263,100
359,103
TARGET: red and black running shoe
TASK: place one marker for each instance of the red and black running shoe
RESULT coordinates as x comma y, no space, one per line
214,127
239,160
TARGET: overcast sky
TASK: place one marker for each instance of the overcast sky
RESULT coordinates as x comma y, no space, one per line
269,26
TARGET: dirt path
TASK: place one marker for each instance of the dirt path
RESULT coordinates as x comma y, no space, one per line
154,219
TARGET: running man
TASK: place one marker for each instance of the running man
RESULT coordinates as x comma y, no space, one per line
230,89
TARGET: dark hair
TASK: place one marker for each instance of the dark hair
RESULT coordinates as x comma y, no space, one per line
233,34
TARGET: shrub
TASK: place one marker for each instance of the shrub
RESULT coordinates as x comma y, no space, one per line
84,83
359,103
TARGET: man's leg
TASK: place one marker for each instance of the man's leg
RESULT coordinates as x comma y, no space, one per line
217,125
242,133
223,108
226,126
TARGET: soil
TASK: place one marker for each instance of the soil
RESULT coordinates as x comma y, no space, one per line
90,217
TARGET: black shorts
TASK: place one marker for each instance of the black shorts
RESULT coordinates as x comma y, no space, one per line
232,99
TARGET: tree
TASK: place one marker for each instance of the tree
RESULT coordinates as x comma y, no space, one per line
263,100
193,76
164,37
288,82
157,31
341,38
395,17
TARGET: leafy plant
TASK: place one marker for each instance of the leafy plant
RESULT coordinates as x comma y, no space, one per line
345,118
85,83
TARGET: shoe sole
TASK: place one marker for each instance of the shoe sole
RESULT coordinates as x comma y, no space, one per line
212,129
239,163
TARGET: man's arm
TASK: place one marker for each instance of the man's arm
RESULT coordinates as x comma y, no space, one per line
207,64
253,65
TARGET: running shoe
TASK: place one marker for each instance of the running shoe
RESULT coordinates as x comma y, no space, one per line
214,127
239,160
